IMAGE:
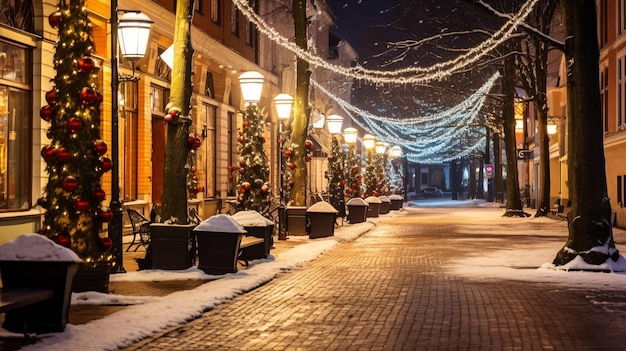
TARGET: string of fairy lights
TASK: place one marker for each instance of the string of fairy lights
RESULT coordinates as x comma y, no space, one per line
425,139
410,75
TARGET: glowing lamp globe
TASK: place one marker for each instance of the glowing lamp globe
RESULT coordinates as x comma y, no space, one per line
349,135
251,83
133,33
334,124
396,151
369,141
283,103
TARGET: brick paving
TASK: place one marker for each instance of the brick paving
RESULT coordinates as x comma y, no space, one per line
388,290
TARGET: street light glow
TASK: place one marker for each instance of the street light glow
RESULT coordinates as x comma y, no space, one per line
251,83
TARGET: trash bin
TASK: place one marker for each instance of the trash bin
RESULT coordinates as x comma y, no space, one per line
33,261
321,216
218,239
357,210
396,202
296,221
385,204
172,246
373,210
260,227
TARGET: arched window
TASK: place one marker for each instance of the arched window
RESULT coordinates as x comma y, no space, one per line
17,14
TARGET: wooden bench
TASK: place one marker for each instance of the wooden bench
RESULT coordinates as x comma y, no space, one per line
11,299
249,242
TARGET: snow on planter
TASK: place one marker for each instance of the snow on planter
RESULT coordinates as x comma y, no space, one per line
357,201
322,207
36,247
396,197
383,198
220,223
372,200
251,219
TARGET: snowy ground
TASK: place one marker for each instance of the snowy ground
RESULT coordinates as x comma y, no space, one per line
523,261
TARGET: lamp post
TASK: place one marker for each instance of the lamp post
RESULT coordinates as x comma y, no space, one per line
284,103
133,30
353,165
369,178
335,168
251,83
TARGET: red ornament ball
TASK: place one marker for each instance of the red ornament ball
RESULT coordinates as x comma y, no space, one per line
168,118
265,188
48,152
194,169
200,189
240,139
99,194
197,143
290,183
46,113
55,19
245,185
105,214
105,164
81,204
74,125
86,64
100,147
63,239
63,155
70,184
51,97
308,144
307,158
245,123
191,140
291,165
174,112
242,170
88,96
107,243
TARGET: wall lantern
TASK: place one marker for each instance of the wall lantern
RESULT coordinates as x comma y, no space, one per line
133,33
349,135
283,103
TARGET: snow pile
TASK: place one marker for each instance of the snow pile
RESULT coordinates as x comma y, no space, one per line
36,247
251,219
372,200
383,198
220,223
322,207
396,197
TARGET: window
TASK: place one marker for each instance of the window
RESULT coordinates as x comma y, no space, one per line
234,20
604,97
209,88
621,91
603,23
198,6
18,14
215,12
15,128
250,29
129,112
621,17
210,149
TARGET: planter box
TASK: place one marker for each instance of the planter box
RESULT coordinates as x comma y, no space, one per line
217,252
373,210
396,204
92,277
384,207
172,246
258,251
321,224
357,214
46,316
297,221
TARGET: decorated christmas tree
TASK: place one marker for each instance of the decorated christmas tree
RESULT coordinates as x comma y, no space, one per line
254,188
352,173
370,176
382,186
75,157
395,173
336,181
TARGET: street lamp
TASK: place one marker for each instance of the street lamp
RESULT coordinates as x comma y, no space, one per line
133,30
380,147
334,124
283,103
349,135
369,141
396,151
251,83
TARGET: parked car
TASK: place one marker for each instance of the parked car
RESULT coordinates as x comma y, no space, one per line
431,191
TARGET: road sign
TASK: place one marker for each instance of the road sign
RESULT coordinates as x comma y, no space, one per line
523,154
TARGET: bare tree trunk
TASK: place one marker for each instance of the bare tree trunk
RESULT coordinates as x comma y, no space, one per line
497,168
589,221
177,148
513,201
301,112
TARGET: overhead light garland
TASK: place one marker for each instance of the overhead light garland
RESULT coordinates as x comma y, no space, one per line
421,75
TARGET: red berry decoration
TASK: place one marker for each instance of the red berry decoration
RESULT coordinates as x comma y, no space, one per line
70,184
74,125
105,164
46,113
107,243
55,19
51,97
88,96
105,214
81,204
86,64
99,194
100,147
63,155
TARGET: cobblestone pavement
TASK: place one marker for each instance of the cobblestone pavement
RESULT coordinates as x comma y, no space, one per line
388,290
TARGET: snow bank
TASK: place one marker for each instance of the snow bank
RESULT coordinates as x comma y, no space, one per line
322,207
251,219
36,247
